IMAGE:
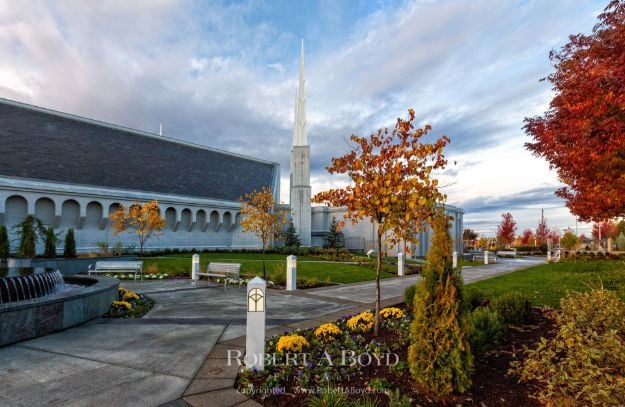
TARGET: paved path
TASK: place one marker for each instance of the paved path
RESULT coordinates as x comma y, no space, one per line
178,348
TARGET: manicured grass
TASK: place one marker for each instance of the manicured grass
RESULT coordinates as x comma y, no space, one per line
252,265
546,284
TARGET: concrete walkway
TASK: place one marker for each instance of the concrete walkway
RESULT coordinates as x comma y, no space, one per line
177,350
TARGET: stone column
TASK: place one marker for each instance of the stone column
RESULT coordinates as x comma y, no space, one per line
455,259
401,267
610,245
195,268
558,255
485,256
548,255
291,273
255,329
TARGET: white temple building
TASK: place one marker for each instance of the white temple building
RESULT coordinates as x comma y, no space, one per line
73,172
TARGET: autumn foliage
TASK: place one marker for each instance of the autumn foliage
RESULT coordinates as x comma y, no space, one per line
145,219
392,184
582,135
260,215
604,230
506,229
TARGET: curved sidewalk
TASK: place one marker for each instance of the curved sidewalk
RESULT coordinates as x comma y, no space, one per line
175,355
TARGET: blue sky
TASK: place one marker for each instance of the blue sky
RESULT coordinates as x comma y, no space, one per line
223,74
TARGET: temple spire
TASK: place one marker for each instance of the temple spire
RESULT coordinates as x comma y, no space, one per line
300,138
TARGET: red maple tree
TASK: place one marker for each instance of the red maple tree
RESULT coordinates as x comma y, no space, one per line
527,235
607,229
506,229
542,231
582,135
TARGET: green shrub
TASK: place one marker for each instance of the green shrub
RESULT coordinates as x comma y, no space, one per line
396,399
409,295
50,244
329,398
513,307
439,355
585,363
277,274
5,246
473,298
70,244
486,330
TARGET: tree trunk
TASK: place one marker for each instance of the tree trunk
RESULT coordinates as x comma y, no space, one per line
376,328
264,271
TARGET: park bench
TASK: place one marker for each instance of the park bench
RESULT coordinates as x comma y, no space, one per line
507,253
117,267
221,270
480,257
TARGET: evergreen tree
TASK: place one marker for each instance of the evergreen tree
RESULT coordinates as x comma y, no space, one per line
5,246
334,239
439,356
70,244
50,244
29,231
291,239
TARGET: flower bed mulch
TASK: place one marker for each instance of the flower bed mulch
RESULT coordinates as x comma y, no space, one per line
492,386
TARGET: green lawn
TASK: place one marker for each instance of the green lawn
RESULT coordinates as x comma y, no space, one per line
251,264
547,283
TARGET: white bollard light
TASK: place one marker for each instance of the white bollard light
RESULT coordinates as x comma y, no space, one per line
558,255
485,256
291,273
548,255
255,329
455,260
195,268
401,266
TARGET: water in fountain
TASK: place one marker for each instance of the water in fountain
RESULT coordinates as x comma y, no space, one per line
28,287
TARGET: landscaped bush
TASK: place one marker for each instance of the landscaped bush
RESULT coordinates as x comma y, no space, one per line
486,330
409,295
439,355
70,244
585,363
473,298
514,307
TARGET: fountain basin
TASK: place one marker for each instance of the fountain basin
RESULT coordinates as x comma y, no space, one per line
28,319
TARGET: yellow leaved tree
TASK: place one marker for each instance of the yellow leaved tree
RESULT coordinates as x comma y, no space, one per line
261,217
392,184
145,219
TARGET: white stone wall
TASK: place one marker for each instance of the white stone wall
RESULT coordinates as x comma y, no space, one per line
363,234
191,222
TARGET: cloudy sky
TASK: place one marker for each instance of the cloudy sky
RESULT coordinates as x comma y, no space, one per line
223,74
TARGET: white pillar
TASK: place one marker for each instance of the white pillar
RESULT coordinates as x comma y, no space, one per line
401,267
485,256
610,245
255,329
455,260
548,255
558,255
291,273
195,268
515,252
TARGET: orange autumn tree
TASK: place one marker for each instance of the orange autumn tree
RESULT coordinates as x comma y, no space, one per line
391,183
145,219
582,134
261,217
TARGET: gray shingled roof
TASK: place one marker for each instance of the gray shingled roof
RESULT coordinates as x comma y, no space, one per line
45,145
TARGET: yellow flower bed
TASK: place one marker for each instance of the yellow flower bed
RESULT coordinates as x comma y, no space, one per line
122,304
392,312
362,322
130,296
327,331
292,343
